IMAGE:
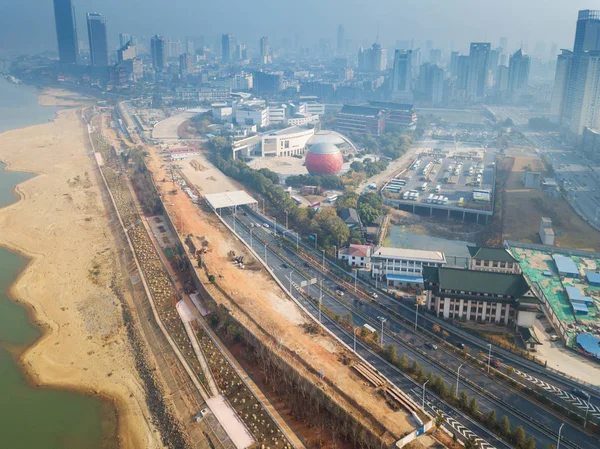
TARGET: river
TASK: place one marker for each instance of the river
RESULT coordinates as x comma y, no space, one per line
33,417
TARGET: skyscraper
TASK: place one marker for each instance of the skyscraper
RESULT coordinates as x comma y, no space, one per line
124,38
586,39
518,74
158,47
586,100
431,83
477,77
454,63
265,51
561,81
504,44
341,40
402,73
96,25
372,59
127,51
226,47
66,31
185,64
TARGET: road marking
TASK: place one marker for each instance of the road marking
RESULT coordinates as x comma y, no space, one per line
568,397
454,424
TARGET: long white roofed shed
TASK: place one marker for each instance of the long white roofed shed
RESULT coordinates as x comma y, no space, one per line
229,199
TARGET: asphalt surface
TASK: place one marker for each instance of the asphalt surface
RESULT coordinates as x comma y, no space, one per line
537,422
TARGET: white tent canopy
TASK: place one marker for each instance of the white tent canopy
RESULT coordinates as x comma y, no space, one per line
229,199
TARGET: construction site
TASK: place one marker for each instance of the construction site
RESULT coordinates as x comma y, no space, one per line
238,336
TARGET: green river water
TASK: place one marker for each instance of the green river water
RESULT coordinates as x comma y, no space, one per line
32,417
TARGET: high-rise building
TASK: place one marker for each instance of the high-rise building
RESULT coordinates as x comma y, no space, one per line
493,65
454,63
189,46
267,83
226,47
124,39
174,49
402,73
462,72
265,51
586,39
504,44
341,40
241,52
586,101
66,31
98,39
185,64
518,74
372,59
477,78
431,83
127,51
158,47
561,81
502,74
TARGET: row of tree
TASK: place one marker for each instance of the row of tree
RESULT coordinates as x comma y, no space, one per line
368,205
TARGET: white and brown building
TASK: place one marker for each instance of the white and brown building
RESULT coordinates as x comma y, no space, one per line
356,255
403,267
498,260
483,296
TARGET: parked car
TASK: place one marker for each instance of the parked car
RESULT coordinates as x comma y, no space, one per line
554,338
580,393
431,346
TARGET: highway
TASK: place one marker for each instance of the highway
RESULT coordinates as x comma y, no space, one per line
537,421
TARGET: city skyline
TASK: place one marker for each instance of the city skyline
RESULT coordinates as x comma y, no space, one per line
446,29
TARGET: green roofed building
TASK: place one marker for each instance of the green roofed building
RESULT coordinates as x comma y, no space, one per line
493,259
485,296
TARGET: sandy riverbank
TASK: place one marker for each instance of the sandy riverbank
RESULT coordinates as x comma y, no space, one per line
62,224
50,96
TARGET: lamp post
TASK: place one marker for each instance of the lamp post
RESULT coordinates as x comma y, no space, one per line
320,299
458,378
383,320
355,329
416,313
559,432
423,404
489,357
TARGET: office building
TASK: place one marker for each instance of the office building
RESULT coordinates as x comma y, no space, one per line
518,74
403,267
267,83
477,74
586,97
372,59
265,51
124,39
66,31
462,72
476,295
431,83
402,74
227,45
454,63
185,64
158,48
98,40
504,44
590,145
561,79
502,75
361,119
341,40
127,51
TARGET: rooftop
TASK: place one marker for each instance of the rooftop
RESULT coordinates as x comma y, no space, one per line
361,110
229,199
513,285
494,254
357,250
565,265
412,254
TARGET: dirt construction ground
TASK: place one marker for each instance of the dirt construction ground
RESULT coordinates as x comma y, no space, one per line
524,208
263,301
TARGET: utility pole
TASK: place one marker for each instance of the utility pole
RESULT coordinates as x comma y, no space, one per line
458,377
489,357
559,431
383,320
423,405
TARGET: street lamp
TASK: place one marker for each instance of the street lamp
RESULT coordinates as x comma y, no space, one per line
559,431
355,329
423,405
489,357
458,377
416,312
383,320
320,299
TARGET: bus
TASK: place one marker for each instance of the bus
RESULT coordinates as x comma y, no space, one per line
332,198
297,200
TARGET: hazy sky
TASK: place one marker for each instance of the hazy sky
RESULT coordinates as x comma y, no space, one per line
28,25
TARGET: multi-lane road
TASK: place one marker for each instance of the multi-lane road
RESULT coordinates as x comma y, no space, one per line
538,421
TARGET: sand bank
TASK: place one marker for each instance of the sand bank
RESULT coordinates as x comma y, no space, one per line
51,96
62,224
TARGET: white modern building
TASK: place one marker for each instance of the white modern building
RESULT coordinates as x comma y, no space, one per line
286,142
403,267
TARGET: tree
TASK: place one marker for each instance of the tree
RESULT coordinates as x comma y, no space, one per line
403,362
491,419
529,444
417,371
474,407
445,334
439,419
390,353
357,166
505,427
463,401
518,436
454,438
436,329
367,213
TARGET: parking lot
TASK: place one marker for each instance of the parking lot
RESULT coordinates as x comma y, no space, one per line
450,174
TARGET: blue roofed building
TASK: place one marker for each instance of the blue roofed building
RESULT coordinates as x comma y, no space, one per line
593,278
565,266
